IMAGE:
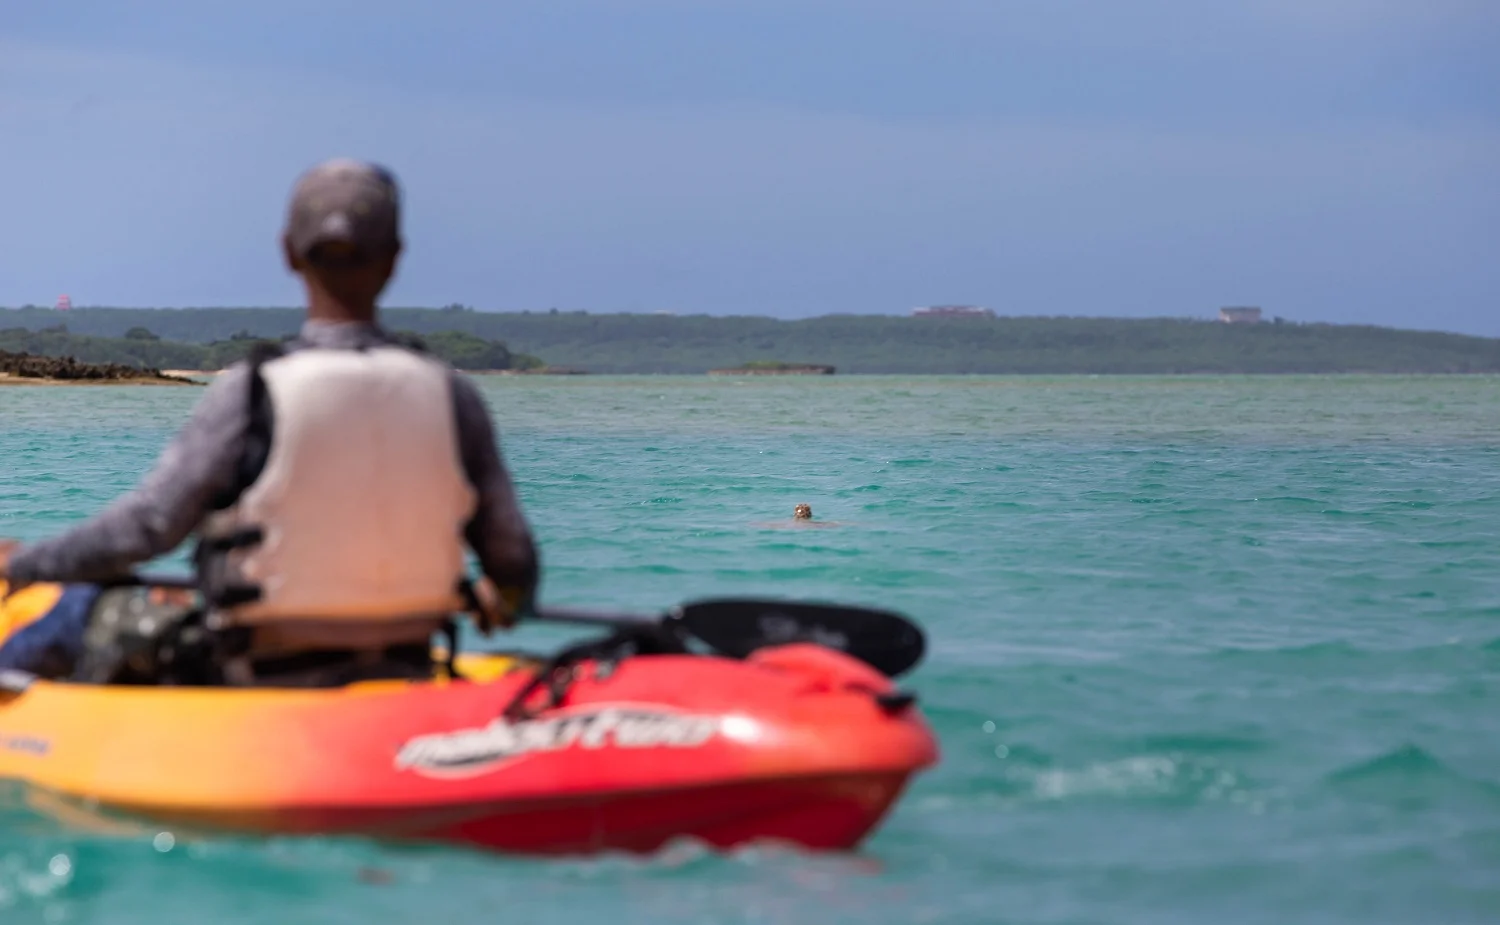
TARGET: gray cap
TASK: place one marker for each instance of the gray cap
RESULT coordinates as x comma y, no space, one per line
347,201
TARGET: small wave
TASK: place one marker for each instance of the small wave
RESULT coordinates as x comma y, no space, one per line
1021,776
810,550
686,855
1312,650
1202,743
1413,777
787,574
656,569
1408,761
1174,777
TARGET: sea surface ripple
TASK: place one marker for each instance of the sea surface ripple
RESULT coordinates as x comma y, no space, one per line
1203,649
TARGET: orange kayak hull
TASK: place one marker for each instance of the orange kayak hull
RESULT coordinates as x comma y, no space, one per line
796,743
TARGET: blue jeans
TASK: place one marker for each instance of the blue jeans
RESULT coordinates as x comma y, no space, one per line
51,644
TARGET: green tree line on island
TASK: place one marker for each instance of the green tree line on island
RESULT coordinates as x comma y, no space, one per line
143,349
660,343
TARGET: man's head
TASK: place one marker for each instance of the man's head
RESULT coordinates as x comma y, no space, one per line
343,234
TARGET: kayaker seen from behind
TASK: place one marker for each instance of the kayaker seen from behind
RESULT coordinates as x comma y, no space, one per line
334,484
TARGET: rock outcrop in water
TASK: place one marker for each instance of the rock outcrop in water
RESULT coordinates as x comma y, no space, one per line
774,369
37,369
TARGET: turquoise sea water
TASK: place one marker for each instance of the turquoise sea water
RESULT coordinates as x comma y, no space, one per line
1203,649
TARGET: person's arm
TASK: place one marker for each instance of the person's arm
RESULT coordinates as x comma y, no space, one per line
161,512
497,533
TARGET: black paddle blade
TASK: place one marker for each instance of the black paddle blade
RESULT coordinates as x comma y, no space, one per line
736,627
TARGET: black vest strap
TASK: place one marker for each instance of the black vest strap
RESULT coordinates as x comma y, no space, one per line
258,432
208,557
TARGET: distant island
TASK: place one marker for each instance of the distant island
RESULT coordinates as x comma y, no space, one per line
210,338
773,368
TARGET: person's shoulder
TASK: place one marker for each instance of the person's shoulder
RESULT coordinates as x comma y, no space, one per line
227,395
236,374
415,347
257,356
413,344
465,391
231,378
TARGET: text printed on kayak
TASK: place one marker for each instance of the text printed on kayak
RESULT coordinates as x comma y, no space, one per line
468,752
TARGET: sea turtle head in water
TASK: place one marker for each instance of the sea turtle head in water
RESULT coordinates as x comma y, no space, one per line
802,512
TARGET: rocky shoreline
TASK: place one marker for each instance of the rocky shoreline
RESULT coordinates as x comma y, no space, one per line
30,369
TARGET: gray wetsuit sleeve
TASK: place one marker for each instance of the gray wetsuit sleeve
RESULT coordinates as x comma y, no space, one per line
498,532
200,463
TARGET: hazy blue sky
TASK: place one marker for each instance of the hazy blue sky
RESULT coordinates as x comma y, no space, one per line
1326,159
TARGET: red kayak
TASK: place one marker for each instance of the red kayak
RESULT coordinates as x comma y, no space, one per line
794,742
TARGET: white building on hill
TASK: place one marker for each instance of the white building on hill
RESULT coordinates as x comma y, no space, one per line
949,311
1240,315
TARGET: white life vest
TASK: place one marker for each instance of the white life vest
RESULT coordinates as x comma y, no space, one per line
363,499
